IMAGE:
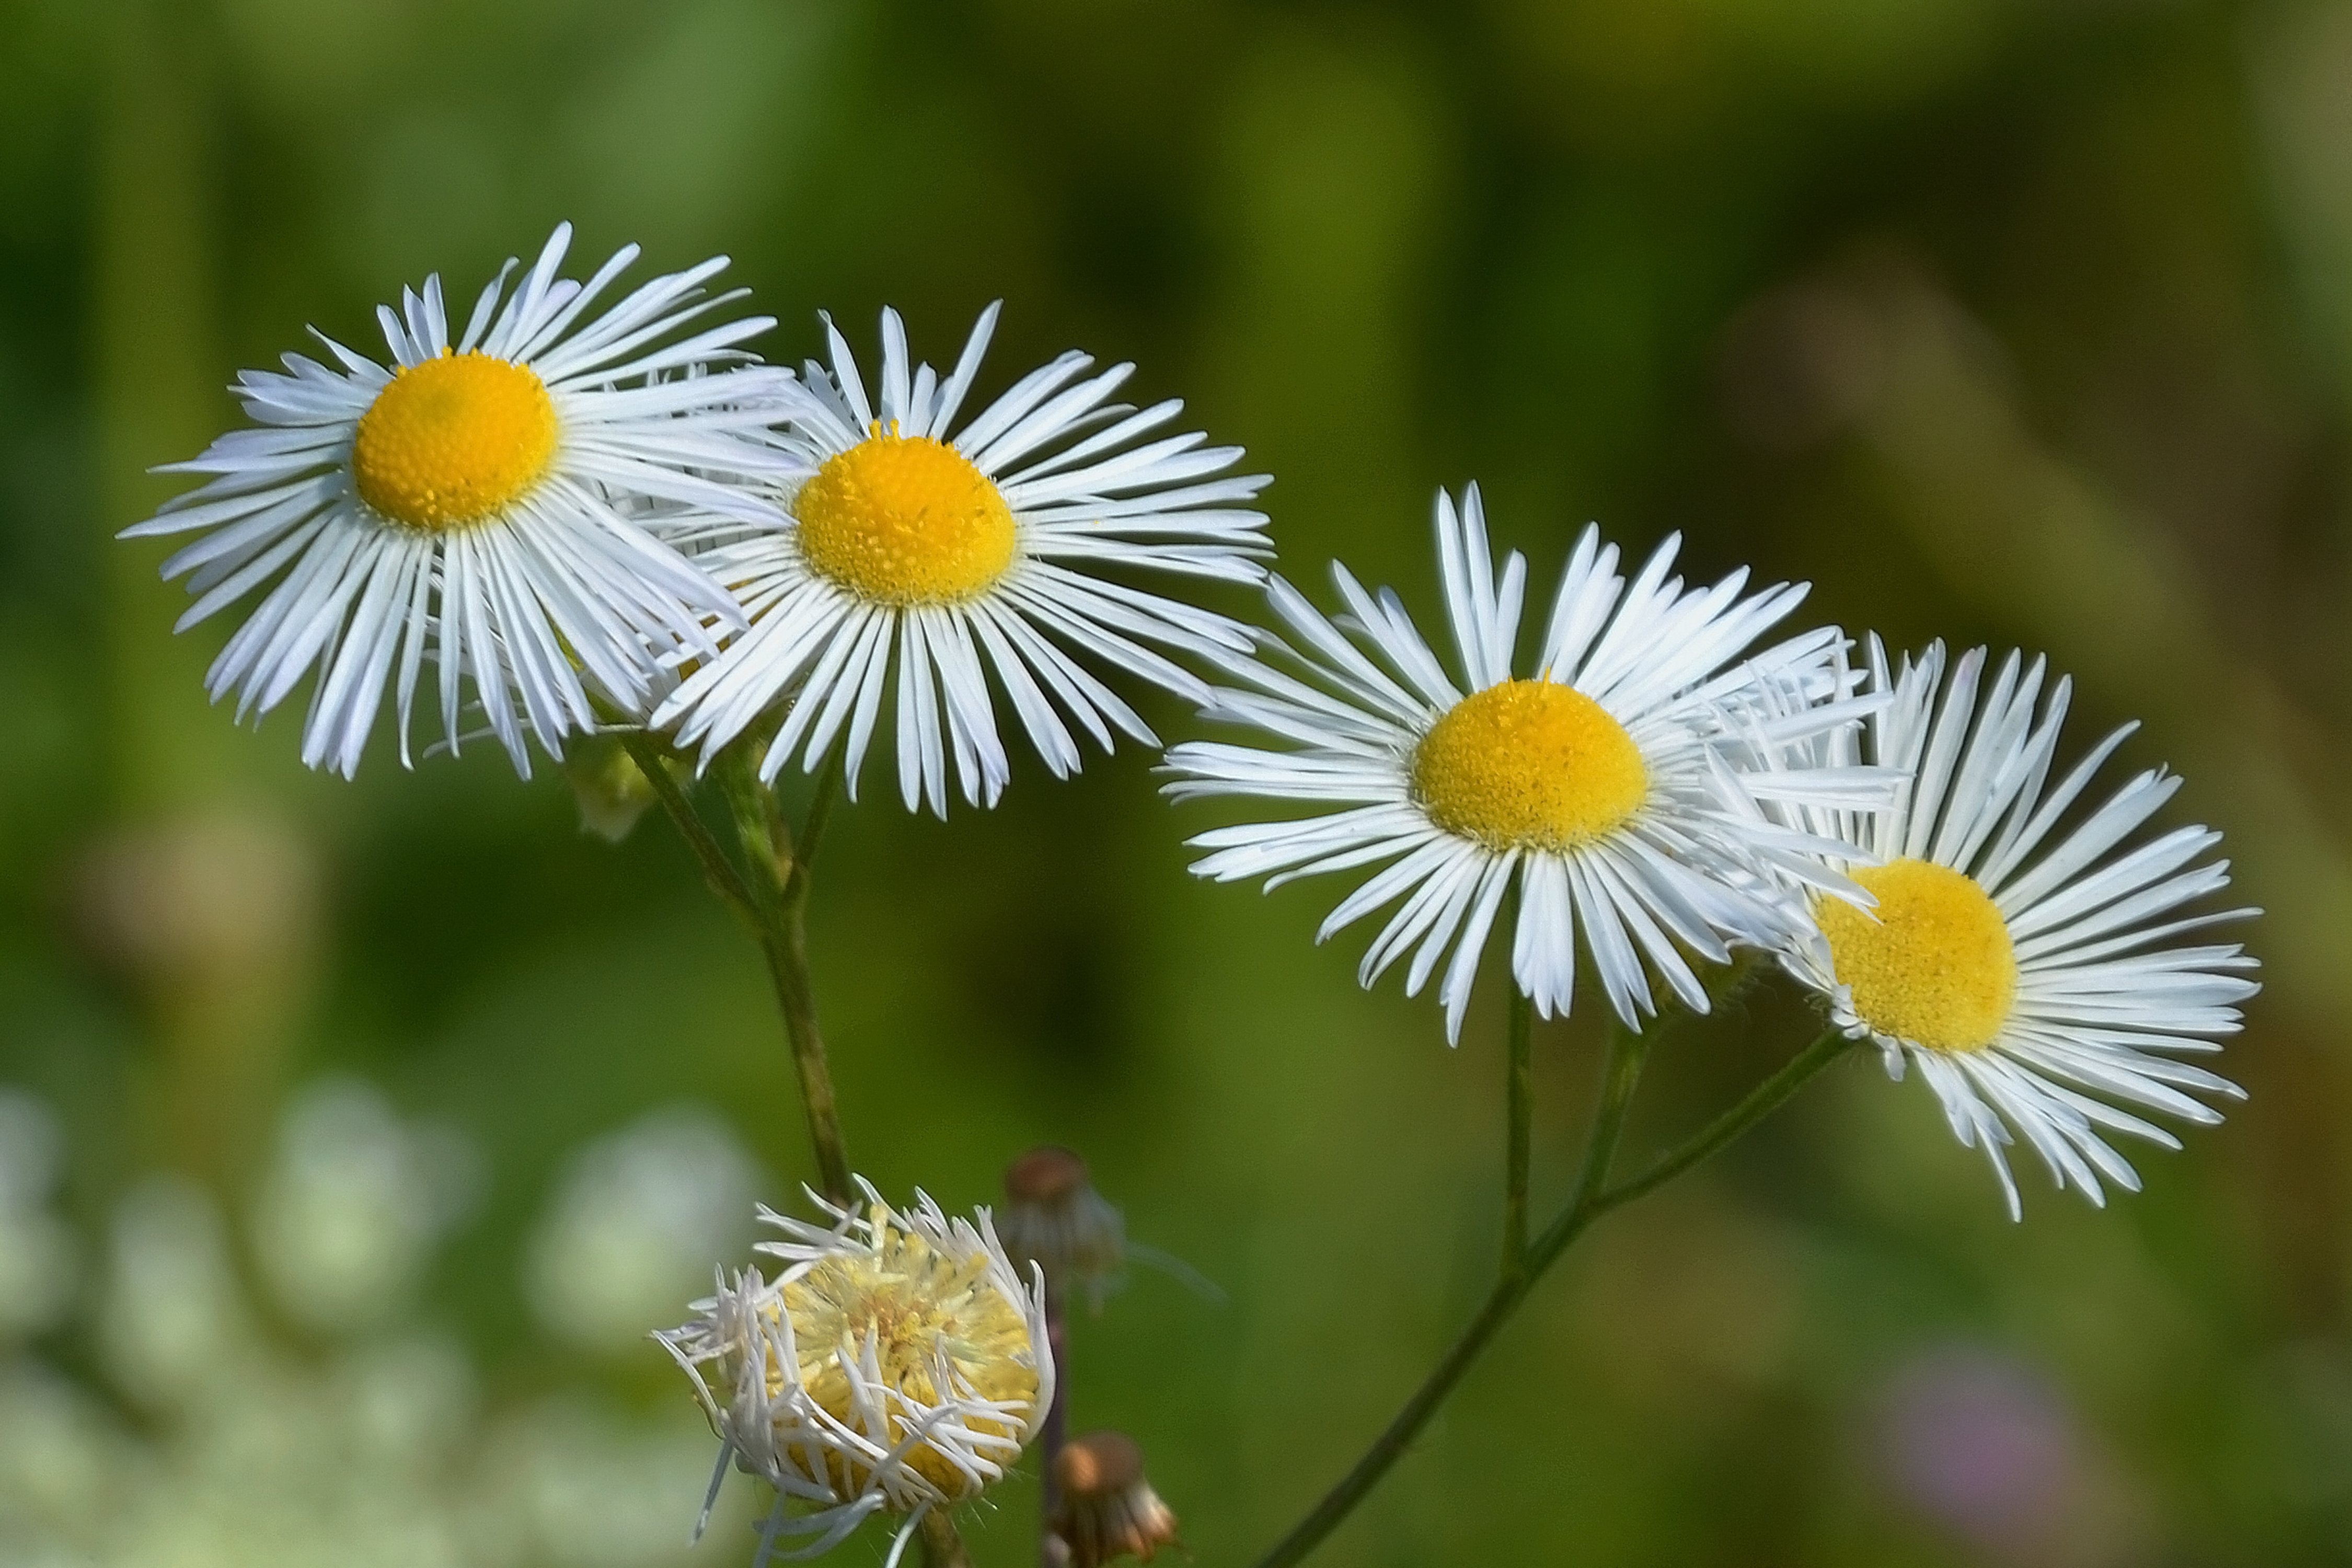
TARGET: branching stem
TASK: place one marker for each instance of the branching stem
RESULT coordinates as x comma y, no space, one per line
1593,1199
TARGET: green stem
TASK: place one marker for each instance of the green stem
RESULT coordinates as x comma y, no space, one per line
820,811
716,869
1389,1447
1762,1101
780,898
1592,1200
1620,1074
1519,1159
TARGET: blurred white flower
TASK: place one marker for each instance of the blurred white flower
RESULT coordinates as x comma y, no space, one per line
598,1494
351,1205
38,1261
378,1456
637,1220
171,1319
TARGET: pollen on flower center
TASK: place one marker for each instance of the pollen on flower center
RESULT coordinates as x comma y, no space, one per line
915,1312
1936,967
1529,764
453,440
904,520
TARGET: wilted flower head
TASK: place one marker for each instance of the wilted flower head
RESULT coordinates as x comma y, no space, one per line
898,1364
1054,1218
1106,1508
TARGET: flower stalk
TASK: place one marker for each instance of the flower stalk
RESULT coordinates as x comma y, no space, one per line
773,902
1593,1199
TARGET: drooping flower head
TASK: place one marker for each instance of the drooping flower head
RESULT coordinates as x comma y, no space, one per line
951,553
1054,1218
484,501
2030,975
1104,1506
898,1364
1601,786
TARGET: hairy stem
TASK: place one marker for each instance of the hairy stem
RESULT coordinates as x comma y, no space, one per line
942,1546
1592,1200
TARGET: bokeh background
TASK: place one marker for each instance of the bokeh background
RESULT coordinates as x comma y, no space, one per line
352,1136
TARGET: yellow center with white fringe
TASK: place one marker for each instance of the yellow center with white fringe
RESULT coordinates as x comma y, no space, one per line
914,1317
454,440
1936,967
904,520
1529,764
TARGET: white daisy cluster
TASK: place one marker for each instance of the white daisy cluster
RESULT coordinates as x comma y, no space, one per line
594,521
1654,793
563,512
898,1364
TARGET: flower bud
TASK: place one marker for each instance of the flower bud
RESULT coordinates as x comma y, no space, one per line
1054,1216
1106,1508
606,781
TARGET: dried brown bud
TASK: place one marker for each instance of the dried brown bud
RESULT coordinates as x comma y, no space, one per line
1106,1508
1054,1216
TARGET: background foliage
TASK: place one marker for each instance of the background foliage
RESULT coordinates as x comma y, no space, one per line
351,1134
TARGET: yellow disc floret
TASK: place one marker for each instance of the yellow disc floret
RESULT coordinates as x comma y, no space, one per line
454,440
922,1314
904,520
1936,967
1529,764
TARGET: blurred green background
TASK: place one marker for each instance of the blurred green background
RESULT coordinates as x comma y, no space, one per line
350,1136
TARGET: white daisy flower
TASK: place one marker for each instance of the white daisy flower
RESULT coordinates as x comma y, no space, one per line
949,556
1603,785
482,502
898,1364
2025,975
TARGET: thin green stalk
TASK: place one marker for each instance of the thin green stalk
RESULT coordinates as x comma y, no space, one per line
1593,1199
1762,1101
1520,1158
779,897
716,869
1620,1074
812,835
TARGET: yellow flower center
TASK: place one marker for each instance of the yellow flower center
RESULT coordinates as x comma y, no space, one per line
452,441
918,1308
904,520
1529,764
1936,967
